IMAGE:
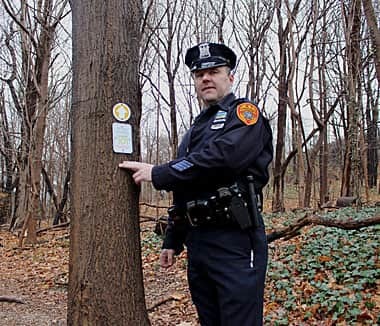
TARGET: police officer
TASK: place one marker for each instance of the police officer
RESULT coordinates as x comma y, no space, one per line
217,180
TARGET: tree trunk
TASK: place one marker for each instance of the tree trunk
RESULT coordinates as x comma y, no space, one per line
323,94
105,270
299,166
371,136
363,157
278,182
372,128
372,116
59,213
7,153
173,118
371,18
351,178
39,125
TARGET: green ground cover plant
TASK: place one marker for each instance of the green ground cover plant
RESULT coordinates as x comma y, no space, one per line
326,274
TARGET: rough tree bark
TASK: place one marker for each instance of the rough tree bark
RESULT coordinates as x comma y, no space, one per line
105,270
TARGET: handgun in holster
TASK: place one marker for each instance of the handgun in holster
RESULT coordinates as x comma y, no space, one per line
239,208
254,201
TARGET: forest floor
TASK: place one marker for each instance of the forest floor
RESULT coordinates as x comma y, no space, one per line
38,275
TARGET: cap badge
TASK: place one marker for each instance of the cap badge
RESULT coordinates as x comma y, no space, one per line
204,50
248,113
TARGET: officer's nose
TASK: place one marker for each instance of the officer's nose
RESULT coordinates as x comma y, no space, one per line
206,77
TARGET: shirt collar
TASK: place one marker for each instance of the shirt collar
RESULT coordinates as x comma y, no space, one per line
224,103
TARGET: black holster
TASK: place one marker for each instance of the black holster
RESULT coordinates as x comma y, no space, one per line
255,201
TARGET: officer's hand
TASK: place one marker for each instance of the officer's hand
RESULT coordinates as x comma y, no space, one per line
143,171
167,258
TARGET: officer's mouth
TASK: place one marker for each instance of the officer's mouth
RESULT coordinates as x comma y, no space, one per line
209,88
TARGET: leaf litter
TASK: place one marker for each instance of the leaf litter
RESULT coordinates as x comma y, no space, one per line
309,281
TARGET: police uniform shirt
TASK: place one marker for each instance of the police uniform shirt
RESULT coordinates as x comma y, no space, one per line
218,146
227,140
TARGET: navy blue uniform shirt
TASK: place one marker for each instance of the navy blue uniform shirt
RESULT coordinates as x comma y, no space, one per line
217,150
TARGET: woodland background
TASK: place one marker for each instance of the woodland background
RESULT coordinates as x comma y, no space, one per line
313,68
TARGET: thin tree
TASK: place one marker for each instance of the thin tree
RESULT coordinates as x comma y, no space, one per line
351,172
371,109
293,100
7,151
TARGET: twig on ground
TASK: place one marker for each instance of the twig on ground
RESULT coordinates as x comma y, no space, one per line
161,301
11,299
58,226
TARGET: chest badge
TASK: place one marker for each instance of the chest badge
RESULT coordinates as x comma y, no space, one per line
248,113
220,119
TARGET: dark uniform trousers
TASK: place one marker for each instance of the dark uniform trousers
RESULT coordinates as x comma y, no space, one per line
227,288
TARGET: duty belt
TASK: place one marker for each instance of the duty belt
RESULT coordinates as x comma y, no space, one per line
200,215
207,212
228,207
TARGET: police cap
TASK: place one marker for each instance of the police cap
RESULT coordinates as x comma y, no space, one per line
209,55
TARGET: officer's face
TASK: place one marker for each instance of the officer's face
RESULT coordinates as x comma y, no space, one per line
213,84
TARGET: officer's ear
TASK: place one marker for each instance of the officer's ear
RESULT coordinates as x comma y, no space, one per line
231,75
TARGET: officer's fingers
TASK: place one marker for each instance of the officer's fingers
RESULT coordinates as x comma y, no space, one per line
171,258
143,174
137,177
164,259
132,165
140,176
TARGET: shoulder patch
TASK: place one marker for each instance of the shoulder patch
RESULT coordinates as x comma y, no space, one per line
248,113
